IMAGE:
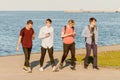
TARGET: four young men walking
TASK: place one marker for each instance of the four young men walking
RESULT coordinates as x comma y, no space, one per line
68,34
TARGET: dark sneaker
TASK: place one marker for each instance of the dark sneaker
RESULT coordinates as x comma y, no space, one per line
96,68
60,66
72,67
85,66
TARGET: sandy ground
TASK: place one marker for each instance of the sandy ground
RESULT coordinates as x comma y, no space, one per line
11,68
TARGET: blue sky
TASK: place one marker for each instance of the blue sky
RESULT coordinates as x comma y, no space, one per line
47,5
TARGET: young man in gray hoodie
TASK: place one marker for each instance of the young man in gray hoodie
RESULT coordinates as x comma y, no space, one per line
91,37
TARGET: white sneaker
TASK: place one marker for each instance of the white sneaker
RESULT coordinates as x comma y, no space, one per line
54,68
25,69
41,69
29,70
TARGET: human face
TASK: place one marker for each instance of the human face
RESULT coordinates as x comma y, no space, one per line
93,23
71,24
29,26
48,24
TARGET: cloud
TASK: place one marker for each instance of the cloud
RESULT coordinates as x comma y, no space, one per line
58,4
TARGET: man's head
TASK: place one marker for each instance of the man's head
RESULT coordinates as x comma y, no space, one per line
29,24
92,21
71,23
48,22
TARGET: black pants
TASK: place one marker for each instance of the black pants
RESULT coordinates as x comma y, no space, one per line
92,46
43,52
27,52
66,48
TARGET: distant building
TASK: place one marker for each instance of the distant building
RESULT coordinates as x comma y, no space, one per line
118,10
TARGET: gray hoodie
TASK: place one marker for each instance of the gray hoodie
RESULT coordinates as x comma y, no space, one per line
86,34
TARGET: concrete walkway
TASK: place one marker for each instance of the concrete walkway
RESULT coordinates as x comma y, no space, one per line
11,69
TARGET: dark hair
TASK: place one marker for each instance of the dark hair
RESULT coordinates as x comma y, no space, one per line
49,20
29,22
92,19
